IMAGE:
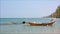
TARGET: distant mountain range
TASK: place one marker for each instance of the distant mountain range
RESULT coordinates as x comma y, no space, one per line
55,14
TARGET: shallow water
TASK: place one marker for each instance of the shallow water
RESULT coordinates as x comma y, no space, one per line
23,28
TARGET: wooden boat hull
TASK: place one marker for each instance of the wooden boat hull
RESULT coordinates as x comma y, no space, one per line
43,24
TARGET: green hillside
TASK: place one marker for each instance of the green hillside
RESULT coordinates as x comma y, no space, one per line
56,14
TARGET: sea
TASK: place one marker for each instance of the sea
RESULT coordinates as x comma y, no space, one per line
20,28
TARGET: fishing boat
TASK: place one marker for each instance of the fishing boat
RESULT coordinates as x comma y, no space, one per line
40,24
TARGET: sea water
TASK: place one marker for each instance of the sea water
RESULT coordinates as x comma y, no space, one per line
25,29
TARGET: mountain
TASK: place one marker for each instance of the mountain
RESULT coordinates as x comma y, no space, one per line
56,14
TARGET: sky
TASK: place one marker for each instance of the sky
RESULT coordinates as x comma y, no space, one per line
27,8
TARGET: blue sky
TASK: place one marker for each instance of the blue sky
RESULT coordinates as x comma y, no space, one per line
27,8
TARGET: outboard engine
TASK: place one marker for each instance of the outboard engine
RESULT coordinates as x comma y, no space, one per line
23,22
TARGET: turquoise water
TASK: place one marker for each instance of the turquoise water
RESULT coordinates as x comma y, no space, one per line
23,28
